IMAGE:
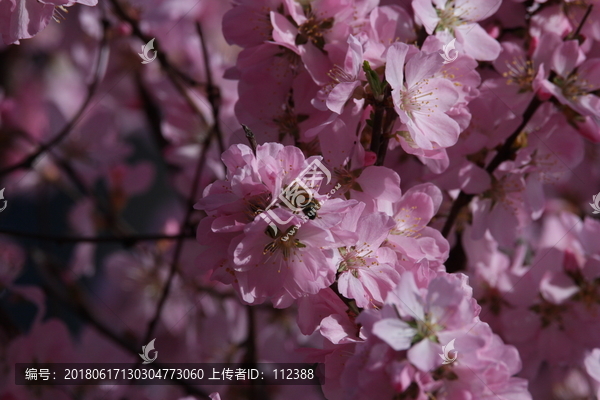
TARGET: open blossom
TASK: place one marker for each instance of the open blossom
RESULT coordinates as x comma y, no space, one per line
550,148
400,356
272,252
458,19
411,238
538,302
420,99
292,263
384,165
314,29
345,78
366,270
577,82
523,74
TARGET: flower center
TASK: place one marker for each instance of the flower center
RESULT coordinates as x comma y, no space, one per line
573,87
313,29
549,312
426,329
521,73
352,259
284,242
338,75
403,225
257,204
415,100
449,19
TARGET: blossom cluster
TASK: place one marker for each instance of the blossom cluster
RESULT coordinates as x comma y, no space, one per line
395,191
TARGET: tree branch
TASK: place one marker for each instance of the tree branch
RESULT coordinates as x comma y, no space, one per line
129,239
93,86
126,344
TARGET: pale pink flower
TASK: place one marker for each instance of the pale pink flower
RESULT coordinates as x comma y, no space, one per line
298,260
420,99
346,78
458,19
404,339
316,28
365,271
411,238
577,81
522,73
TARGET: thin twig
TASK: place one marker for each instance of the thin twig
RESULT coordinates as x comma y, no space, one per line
503,154
575,34
464,199
85,314
251,138
174,75
212,91
213,97
129,239
179,244
377,126
93,86
162,59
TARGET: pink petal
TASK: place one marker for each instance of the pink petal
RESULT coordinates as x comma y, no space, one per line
422,66
283,30
476,10
395,332
566,57
394,67
477,43
340,94
425,12
424,355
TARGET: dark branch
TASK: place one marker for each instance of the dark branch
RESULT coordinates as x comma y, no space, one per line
251,138
93,86
129,239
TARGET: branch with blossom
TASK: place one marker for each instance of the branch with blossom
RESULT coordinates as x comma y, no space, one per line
396,193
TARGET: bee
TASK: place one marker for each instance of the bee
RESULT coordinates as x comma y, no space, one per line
311,209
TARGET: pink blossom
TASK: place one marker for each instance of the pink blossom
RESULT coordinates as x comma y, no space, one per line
412,324
366,271
577,80
346,78
318,27
458,18
420,100
295,262
411,238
